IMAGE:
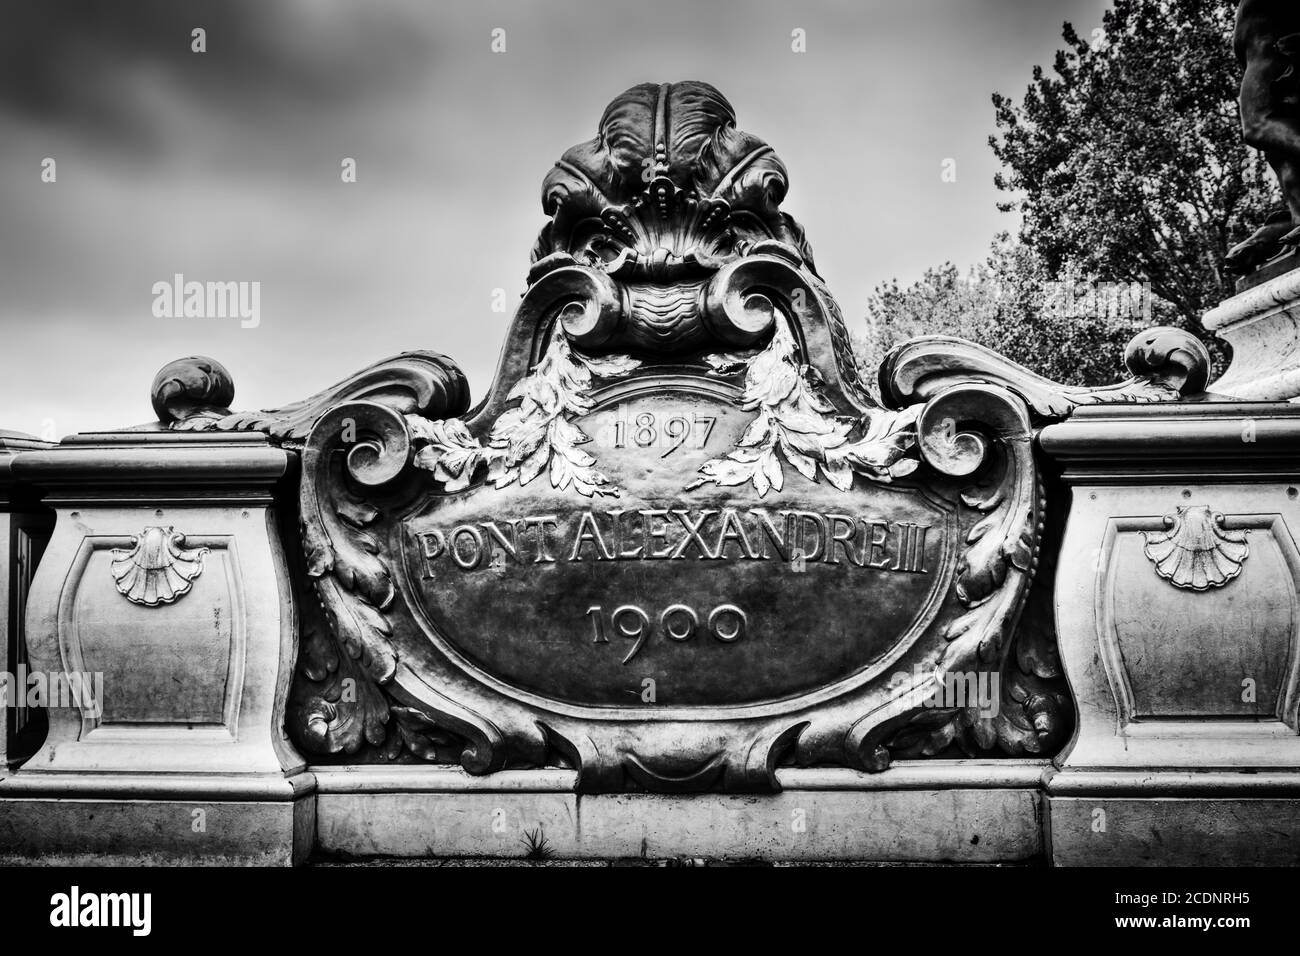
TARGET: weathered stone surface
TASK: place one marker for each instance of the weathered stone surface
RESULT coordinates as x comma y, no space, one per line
1262,324
1177,620
1181,645
194,684
162,623
1159,831
66,831
969,813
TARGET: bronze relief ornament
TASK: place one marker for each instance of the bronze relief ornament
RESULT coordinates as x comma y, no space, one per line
679,543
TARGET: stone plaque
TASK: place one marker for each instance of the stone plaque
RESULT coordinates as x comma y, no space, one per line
717,594
679,541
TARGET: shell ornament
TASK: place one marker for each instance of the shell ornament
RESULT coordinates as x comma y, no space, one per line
1197,552
157,569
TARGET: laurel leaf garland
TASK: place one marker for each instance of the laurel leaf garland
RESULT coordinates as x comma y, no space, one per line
535,437
795,417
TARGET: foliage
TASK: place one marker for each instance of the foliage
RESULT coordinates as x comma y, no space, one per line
1126,164
536,846
1129,160
1070,330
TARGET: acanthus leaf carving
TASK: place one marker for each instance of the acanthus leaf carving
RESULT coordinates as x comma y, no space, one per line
538,435
343,560
1032,712
336,708
341,705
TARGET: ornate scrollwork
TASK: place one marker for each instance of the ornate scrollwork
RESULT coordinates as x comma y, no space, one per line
1165,364
353,452
993,572
193,394
981,433
1197,552
342,559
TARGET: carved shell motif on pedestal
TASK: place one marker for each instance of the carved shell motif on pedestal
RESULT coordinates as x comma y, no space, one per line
1197,552
157,569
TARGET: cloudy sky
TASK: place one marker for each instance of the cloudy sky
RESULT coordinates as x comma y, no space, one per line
225,165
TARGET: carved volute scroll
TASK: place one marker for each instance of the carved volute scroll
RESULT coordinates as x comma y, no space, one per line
1165,363
678,543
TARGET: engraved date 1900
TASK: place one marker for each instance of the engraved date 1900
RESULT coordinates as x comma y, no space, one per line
677,622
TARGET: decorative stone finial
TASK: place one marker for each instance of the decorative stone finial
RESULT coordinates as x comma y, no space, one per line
647,212
192,386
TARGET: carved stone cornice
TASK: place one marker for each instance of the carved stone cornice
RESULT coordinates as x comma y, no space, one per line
1262,324
1137,444
157,466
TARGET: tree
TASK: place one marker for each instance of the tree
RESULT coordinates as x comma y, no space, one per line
1127,165
1129,162
1071,330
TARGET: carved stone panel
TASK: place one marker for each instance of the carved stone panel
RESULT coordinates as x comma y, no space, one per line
1178,677
718,594
1242,633
198,645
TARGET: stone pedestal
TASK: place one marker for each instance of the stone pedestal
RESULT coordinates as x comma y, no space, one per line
1177,617
161,622
1262,324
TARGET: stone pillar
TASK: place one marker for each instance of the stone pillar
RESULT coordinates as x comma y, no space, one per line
1262,324
1176,606
162,622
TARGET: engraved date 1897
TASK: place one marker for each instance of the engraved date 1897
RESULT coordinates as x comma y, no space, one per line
670,431
677,622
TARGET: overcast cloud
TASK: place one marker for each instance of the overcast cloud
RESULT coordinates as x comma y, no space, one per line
226,165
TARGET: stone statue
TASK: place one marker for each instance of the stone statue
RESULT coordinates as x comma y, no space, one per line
1267,42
